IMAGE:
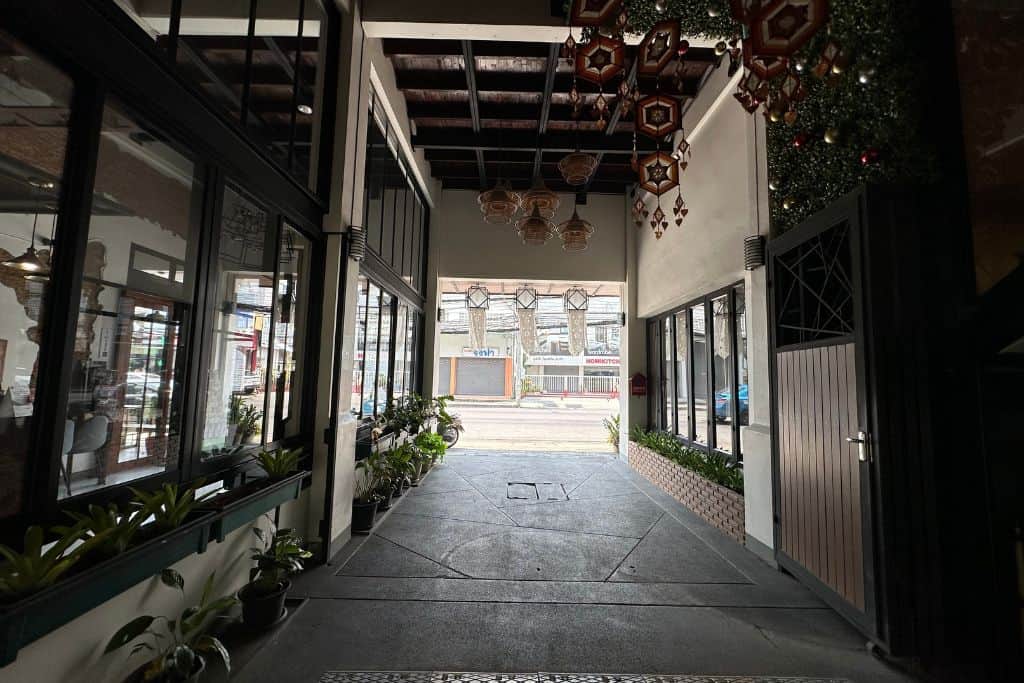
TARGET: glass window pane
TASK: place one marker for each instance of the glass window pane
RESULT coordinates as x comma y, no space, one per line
387,244
417,235
669,409
410,351
310,79
291,317
359,362
682,398
743,389
398,248
654,373
35,102
700,373
211,52
372,352
385,360
124,407
374,186
410,235
242,303
722,367
400,350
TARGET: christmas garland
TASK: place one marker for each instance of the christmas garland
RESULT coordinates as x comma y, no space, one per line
859,124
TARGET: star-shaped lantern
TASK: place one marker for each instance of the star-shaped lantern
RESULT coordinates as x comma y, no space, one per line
593,12
765,66
658,173
600,59
658,47
657,116
744,11
784,26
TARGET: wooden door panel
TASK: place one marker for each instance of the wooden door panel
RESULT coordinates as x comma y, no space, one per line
819,472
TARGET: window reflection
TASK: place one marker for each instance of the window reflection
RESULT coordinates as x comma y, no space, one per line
243,301
373,332
722,370
743,389
359,362
401,340
384,358
682,397
669,409
124,409
291,312
700,374
34,108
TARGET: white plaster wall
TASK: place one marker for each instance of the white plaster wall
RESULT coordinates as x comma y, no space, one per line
471,248
725,188
74,652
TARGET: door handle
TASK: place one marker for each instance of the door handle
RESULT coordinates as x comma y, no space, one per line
862,445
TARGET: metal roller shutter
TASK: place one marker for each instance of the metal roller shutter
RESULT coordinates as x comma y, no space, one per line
444,376
480,377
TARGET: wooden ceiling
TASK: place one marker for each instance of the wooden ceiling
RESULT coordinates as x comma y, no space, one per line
509,115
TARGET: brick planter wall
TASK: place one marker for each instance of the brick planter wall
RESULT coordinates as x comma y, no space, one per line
716,505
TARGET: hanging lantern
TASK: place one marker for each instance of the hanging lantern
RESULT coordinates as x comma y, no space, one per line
575,233
500,204
784,26
543,198
658,173
575,302
535,229
477,302
600,60
593,12
657,116
658,47
526,310
577,167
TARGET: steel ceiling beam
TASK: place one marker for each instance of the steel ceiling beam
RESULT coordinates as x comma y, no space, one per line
545,102
527,140
474,106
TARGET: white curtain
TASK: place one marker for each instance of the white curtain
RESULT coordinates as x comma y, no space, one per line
478,328
577,332
528,329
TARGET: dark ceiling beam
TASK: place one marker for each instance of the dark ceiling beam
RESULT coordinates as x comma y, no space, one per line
613,121
545,101
553,184
511,81
474,105
428,47
591,142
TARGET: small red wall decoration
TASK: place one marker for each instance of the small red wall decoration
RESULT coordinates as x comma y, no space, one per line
638,385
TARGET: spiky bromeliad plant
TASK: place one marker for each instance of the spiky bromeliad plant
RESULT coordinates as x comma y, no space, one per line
279,463
36,567
169,505
368,473
181,646
114,528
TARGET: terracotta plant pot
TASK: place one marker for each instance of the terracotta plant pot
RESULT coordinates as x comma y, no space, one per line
363,515
262,610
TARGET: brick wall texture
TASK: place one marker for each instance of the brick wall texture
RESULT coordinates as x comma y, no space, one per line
716,505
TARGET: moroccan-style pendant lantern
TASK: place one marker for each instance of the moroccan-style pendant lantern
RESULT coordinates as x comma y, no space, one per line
500,204
541,197
526,311
577,167
535,229
575,233
784,26
575,303
478,300
600,60
593,12
659,46
657,116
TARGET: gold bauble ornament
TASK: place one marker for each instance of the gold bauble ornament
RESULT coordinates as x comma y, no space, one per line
788,203
832,136
721,47
774,184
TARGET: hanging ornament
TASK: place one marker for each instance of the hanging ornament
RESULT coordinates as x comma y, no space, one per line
634,160
535,229
593,12
830,54
477,302
790,116
575,233
659,173
784,26
800,139
789,202
499,205
569,49
575,303
638,211
865,74
657,47
774,184
577,167
684,47
870,156
541,197
713,12
600,60
660,6
624,90
766,67
800,64
832,135
526,311
744,11
721,47
575,99
683,152
679,208
657,116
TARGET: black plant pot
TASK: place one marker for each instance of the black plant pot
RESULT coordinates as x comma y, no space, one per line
139,675
398,490
362,516
406,483
417,475
385,500
260,611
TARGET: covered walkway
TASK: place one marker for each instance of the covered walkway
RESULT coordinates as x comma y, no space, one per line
557,562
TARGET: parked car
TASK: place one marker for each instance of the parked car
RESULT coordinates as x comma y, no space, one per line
722,405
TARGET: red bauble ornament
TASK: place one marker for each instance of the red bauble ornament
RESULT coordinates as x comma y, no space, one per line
869,156
684,47
799,140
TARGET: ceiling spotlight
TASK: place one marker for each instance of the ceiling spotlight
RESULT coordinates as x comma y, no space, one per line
41,184
305,109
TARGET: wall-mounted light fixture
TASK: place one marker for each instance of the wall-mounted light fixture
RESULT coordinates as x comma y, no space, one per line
753,252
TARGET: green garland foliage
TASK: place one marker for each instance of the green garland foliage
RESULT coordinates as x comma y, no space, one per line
878,119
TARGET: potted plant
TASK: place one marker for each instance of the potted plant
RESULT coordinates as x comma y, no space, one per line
280,463
180,650
407,452
281,555
248,419
37,567
448,426
400,465
113,529
169,505
432,446
364,504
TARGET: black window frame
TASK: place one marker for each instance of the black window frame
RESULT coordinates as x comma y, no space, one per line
665,324
105,53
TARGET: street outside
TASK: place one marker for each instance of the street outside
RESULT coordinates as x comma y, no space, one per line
536,424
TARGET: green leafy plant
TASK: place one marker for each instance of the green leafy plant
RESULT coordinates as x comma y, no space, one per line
408,413
246,417
431,445
368,474
36,568
181,645
168,505
714,467
114,527
400,464
612,424
446,420
279,463
282,553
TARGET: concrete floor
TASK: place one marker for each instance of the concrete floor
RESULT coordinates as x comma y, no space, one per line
598,572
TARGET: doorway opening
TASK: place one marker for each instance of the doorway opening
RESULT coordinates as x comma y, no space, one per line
532,366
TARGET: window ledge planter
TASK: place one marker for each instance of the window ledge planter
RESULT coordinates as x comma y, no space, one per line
238,507
720,507
33,617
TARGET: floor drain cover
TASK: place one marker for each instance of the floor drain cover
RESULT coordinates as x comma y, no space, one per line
469,677
528,490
